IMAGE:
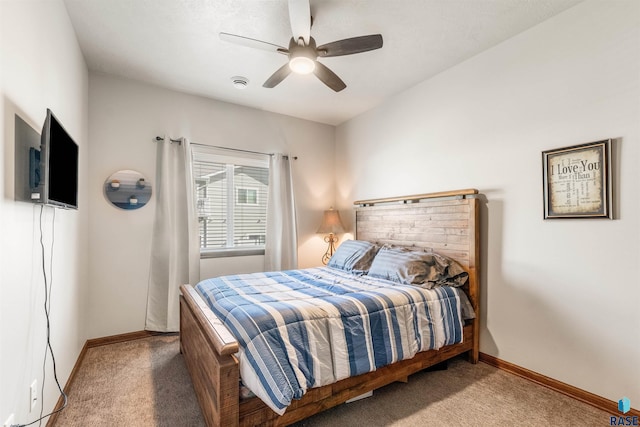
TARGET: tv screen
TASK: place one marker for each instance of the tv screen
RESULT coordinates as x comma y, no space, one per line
59,162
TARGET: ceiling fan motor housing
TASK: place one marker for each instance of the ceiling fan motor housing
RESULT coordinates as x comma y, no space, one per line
302,57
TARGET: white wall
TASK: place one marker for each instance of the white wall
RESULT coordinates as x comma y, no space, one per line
41,67
124,117
560,297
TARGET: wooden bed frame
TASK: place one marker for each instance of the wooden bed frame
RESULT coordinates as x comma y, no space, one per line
447,222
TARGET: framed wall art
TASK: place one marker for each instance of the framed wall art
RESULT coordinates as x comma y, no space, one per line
577,181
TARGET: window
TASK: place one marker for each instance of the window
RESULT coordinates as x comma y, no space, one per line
231,193
247,196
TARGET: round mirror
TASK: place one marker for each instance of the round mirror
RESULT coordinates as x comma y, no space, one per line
127,189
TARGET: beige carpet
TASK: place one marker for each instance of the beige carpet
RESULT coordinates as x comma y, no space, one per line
145,383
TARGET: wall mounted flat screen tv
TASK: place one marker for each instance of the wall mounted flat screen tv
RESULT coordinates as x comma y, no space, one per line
58,172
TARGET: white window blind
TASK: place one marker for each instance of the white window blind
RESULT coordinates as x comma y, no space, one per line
231,193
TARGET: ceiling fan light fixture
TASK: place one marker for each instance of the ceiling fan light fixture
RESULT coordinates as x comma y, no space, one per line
302,64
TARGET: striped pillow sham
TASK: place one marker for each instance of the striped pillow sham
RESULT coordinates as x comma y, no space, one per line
354,256
409,267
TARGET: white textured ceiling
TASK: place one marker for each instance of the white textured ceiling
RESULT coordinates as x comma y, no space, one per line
175,44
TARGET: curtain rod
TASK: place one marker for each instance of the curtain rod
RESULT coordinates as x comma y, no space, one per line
159,138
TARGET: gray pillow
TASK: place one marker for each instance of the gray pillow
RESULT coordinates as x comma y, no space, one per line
445,272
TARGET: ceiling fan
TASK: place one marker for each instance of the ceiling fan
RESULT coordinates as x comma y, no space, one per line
303,53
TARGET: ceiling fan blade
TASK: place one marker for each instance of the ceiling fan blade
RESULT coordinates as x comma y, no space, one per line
280,74
328,77
300,19
249,42
350,46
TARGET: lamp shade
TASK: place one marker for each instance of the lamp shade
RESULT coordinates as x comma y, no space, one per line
331,222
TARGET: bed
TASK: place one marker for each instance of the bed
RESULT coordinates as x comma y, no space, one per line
443,223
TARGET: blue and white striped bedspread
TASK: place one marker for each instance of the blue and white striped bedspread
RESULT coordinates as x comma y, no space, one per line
300,329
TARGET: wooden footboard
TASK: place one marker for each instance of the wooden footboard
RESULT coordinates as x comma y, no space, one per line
208,349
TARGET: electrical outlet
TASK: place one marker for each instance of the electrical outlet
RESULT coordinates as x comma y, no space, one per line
10,421
33,395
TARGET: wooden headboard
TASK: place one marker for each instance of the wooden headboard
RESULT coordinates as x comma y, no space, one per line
447,222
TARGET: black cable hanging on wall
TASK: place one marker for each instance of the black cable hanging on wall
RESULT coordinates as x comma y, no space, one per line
48,285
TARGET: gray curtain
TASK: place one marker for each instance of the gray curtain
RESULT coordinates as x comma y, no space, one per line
175,245
281,245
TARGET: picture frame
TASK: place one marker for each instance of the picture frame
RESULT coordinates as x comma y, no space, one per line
577,181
